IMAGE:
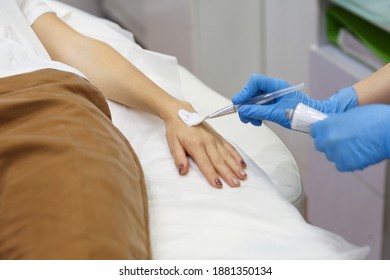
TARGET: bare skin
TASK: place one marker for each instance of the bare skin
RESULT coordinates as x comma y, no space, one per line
375,88
120,81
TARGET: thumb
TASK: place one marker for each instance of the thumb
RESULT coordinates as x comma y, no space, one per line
179,156
314,128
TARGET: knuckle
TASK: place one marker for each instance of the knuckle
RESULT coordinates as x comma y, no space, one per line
219,163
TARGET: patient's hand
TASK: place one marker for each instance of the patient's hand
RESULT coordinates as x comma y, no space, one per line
119,80
215,157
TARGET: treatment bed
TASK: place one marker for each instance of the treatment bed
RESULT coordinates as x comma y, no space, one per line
262,219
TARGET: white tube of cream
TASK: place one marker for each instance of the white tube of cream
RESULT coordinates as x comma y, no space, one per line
302,117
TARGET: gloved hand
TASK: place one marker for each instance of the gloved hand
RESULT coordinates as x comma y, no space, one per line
355,139
275,109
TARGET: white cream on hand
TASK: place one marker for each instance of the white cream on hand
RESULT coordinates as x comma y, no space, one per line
189,118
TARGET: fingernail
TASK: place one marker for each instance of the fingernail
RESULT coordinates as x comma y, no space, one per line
235,181
181,166
218,182
242,172
243,164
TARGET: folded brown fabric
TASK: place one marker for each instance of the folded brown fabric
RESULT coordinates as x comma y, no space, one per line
71,186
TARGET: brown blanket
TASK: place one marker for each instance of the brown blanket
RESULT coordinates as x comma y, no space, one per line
71,186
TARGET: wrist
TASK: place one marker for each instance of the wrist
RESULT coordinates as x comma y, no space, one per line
169,111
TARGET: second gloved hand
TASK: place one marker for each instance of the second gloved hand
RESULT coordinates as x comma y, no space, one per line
355,139
275,110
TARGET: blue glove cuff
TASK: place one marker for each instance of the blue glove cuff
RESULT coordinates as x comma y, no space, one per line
342,101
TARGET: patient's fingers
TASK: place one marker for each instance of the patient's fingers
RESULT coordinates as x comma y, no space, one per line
195,148
236,155
179,155
219,161
233,160
214,156
197,151
226,157
213,151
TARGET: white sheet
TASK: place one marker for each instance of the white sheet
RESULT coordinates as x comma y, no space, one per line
188,218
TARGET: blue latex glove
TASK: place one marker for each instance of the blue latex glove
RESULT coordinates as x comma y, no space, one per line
275,109
355,139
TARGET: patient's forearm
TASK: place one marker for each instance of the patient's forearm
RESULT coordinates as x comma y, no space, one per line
111,73
375,88
121,81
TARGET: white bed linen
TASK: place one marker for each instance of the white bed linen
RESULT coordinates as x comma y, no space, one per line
188,218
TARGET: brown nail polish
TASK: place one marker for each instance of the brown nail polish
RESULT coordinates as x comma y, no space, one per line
243,164
181,166
235,181
242,173
218,182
